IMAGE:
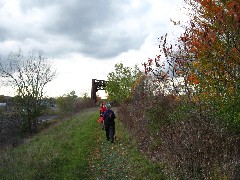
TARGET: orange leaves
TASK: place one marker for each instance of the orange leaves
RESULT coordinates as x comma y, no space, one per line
193,50
194,46
205,2
195,43
164,75
193,79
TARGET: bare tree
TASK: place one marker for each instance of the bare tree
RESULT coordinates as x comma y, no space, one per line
28,75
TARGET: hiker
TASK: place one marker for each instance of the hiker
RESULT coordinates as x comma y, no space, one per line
102,110
109,123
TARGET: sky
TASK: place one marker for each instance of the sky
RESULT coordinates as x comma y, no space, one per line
85,38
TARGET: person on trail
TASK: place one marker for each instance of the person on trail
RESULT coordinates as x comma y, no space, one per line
102,110
109,123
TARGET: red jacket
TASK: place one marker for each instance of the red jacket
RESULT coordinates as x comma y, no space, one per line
102,110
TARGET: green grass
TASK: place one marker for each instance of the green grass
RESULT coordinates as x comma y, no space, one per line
77,149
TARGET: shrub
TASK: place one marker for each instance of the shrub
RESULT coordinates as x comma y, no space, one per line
133,118
189,138
71,103
10,128
198,147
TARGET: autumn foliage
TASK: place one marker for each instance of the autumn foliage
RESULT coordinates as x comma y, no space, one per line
213,38
187,106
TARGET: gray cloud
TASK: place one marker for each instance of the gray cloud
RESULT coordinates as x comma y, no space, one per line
26,5
96,25
4,33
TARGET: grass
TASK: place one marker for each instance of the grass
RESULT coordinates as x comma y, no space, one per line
77,149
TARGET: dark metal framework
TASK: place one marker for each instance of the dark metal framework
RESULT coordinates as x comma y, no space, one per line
97,85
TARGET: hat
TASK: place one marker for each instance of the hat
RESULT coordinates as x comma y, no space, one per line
108,106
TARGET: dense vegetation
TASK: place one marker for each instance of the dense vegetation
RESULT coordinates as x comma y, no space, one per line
70,103
186,105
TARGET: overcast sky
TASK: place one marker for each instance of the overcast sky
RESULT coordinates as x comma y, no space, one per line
85,38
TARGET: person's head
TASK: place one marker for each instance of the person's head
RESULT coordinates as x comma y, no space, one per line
108,106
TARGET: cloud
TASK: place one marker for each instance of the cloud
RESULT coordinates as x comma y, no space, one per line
76,72
99,29
85,38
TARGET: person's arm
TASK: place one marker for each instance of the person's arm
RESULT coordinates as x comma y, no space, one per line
104,114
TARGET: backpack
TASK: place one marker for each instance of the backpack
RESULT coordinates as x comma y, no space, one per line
109,117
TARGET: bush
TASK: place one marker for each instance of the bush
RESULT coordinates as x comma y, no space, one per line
198,147
83,103
10,132
189,138
133,118
160,110
229,112
70,104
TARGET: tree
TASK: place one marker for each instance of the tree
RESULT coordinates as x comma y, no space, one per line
67,103
120,82
70,103
213,39
28,75
213,36
206,56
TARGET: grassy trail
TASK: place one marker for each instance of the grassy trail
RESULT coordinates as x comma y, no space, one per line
77,149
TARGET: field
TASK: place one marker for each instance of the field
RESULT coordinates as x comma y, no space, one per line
76,148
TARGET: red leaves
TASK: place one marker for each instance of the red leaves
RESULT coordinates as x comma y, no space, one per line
192,79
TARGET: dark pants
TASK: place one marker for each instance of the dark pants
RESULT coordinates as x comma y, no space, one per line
110,130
